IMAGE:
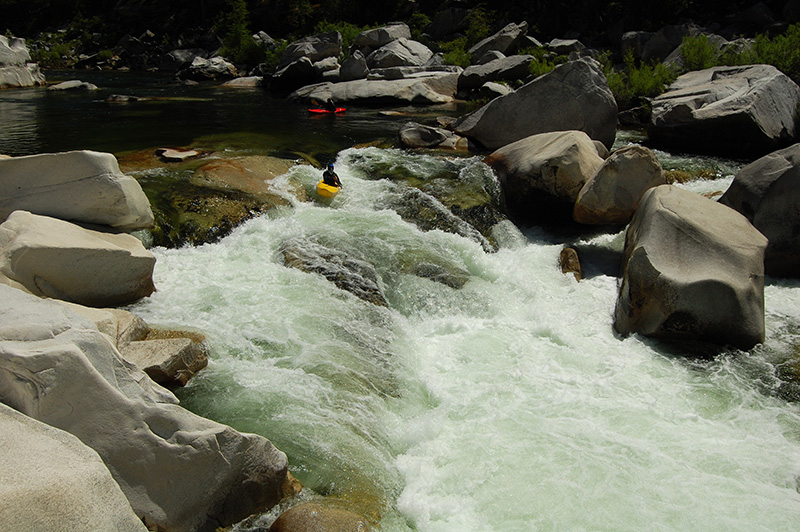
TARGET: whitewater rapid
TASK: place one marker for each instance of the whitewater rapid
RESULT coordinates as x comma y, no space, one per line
508,404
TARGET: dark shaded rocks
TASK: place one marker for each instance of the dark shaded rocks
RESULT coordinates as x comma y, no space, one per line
748,110
319,517
354,67
574,96
767,192
314,48
693,269
202,69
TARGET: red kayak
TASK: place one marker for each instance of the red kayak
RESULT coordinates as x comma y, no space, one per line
327,111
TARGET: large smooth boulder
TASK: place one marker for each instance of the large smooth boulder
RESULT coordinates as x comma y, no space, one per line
574,96
504,41
693,269
401,52
546,168
15,69
429,88
370,40
80,186
414,135
50,480
767,192
53,258
180,472
314,47
505,68
613,193
742,110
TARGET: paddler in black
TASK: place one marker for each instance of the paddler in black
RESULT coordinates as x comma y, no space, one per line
330,178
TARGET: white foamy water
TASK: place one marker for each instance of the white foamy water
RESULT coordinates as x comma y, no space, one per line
506,405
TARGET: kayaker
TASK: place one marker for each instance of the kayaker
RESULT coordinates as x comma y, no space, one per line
330,105
329,177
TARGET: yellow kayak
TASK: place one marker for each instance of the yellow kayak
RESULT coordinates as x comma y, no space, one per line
326,191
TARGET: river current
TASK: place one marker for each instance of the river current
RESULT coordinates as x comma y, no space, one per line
508,404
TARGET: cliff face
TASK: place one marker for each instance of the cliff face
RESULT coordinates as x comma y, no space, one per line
14,68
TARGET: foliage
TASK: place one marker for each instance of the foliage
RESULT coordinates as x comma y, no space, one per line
417,24
233,30
479,24
273,57
349,31
782,51
455,52
635,81
699,53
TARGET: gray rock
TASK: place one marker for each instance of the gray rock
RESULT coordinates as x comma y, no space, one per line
81,186
737,110
693,269
491,55
491,90
400,52
548,165
767,192
411,72
265,41
574,96
202,69
73,85
508,69
635,41
53,258
413,135
319,517
181,58
505,41
247,82
566,46
52,481
354,67
314,47
612,194
168,361
326,65
179,471
430,89
370,40
665,40
448,21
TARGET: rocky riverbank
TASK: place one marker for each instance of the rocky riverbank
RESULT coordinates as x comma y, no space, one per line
693,268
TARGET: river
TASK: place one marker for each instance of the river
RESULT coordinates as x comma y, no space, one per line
508,404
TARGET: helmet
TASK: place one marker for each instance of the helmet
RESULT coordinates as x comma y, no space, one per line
330,166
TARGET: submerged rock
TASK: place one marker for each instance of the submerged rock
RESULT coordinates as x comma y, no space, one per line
693,269
348,273
317,517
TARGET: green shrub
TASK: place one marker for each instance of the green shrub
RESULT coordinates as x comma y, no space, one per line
349,32
781,51
478,24
699,53
233,31
635,81
455,52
